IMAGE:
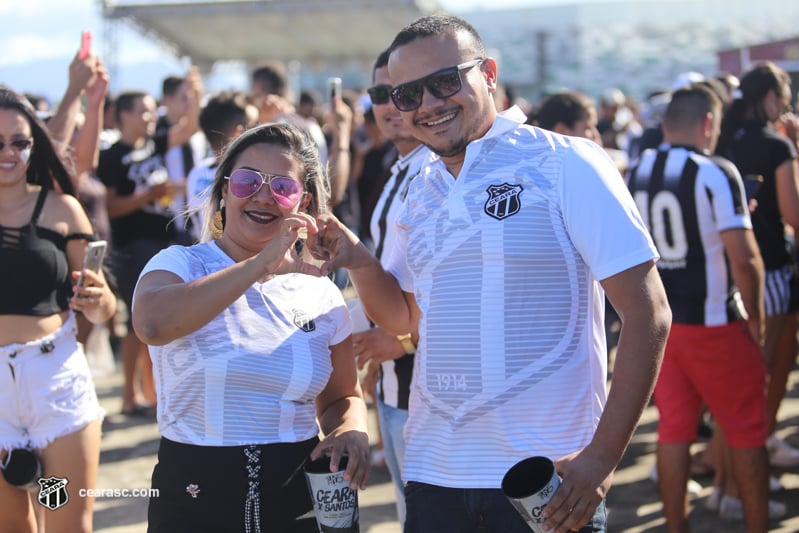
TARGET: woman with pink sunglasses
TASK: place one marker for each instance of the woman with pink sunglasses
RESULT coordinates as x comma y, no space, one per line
250,346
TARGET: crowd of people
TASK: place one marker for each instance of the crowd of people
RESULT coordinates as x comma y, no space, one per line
505,254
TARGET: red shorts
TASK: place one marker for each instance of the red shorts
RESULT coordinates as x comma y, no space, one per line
721,366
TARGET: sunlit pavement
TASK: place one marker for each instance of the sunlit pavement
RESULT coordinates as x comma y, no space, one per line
130,444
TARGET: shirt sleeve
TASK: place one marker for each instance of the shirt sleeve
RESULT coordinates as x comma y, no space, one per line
730,207
174,259
600,214
340,315
785,150
397,265
110,169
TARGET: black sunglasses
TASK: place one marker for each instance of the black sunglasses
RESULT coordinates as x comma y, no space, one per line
441,84
18,144
379,94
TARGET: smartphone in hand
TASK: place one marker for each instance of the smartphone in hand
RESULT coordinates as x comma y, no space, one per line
93,260
334,88
185,64
85,44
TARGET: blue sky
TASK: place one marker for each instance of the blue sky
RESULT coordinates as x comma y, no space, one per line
40,37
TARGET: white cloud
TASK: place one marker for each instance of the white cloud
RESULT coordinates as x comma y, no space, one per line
44,29
24,48
38,10
25,9
134,48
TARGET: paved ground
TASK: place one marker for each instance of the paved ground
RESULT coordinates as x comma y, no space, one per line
129,447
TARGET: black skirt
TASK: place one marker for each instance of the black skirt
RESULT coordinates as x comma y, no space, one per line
231,489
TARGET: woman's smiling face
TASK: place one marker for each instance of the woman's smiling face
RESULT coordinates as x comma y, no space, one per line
252,222
13,161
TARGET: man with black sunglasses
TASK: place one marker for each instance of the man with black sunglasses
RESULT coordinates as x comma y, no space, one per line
505,244
389,358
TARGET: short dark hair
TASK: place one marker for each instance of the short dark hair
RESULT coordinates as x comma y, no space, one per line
566,107
718,87
110,101
171,85
432,25
223,112
381,61
690,105
38,101
309,96
273,77
126,102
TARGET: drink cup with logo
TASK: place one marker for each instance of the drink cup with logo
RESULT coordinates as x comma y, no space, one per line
335,503
529,485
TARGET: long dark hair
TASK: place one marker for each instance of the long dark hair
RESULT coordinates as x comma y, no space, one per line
748,102
45,166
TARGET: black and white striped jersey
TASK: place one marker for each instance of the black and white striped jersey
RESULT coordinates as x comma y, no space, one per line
687,199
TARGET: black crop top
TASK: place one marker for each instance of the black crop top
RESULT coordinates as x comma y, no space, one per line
35,271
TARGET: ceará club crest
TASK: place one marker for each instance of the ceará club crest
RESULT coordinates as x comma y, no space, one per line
503,200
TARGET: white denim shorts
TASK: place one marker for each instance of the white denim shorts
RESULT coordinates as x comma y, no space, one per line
46,390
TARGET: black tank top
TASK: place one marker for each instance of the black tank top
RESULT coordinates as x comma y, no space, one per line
34,272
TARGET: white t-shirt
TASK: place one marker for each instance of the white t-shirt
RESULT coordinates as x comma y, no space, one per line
173,160
504,263
198,189
251,375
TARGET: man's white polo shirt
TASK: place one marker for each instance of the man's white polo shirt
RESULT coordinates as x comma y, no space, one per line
504,263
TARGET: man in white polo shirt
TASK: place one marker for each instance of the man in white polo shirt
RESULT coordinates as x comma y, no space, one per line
503,248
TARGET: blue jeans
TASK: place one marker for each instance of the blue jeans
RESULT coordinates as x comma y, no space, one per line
445,510
392,426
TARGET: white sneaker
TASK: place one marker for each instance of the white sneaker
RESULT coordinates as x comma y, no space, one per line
693,487
780,453
378,458
774,484
732,509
